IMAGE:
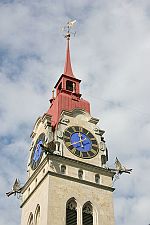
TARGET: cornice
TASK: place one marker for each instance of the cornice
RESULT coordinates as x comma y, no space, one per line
68,161
35,173
79,111
67,77
84,165
71,162
62,176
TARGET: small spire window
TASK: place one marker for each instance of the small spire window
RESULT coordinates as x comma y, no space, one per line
69,85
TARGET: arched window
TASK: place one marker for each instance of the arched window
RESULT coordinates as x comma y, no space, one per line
80,174
63,169
87,214
97,179
30,220
71,212
37,215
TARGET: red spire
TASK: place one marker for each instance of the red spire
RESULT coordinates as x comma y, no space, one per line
68,67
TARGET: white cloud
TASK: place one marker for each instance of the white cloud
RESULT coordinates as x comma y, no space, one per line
110,53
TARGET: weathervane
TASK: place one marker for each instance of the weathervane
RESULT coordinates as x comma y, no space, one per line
16,189
119,169
67,29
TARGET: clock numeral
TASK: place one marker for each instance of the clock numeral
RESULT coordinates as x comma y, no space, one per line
67,134
70,129
91,154
85,155
77,153
81,155
80,129
68,144
94,151
94,146
71,147
94,142
85,131
88,154
93,139
66,139
76,129
90,135
73,150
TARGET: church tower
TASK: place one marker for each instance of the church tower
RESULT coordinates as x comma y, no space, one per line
68,183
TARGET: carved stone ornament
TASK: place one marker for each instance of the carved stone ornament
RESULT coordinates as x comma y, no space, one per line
59,134
72,205
102,146
65,121
98,131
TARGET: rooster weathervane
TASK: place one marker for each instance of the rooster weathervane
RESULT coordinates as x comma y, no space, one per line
67,29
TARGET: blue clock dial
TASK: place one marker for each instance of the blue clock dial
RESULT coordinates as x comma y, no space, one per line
37,151
80,142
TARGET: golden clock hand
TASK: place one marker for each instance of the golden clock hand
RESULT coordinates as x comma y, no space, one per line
80,137
77,142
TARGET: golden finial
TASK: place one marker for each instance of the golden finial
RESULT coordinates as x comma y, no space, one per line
67,29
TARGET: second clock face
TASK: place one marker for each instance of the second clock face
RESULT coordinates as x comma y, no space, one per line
37,151
80,142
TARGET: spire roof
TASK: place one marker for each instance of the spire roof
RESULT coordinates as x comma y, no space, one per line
68,67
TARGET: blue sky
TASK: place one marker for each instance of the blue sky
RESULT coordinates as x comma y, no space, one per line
110,53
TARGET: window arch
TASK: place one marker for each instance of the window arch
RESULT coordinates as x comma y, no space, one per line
30,220
37,215
87,214
71,212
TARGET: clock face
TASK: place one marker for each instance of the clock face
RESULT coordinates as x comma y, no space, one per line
80,142
37,151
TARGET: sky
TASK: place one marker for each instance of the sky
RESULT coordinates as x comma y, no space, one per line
110,54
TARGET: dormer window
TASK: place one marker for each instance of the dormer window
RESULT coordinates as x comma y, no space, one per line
69,85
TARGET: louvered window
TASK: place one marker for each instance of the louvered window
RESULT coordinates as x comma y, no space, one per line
71,212
87,214
69,85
